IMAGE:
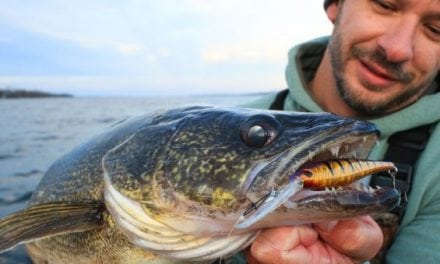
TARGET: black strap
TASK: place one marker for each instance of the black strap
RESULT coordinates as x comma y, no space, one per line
278,102
404,150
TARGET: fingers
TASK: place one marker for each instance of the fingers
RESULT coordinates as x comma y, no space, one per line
344,241
359,238
283,245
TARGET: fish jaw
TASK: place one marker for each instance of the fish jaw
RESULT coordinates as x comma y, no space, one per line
295,204
308,206
343,144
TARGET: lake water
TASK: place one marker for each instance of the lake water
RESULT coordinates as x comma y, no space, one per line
35,132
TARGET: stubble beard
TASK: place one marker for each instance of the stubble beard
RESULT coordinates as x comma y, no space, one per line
353,99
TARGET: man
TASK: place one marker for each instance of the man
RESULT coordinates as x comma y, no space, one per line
379,64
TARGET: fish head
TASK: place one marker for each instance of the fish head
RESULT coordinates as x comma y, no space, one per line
195,171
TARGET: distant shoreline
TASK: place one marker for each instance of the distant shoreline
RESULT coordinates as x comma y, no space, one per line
21,93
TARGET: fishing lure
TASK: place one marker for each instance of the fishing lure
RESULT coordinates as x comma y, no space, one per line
339,172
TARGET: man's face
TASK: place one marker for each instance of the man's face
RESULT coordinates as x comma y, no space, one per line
385,53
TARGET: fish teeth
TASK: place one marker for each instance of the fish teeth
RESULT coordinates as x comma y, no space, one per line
354,154
360,187
366,188
335,150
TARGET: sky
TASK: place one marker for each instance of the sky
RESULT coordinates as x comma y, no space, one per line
152,47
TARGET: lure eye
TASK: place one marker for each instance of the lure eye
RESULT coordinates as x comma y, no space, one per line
259,131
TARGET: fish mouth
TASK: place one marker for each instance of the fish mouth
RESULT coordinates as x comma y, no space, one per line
296,203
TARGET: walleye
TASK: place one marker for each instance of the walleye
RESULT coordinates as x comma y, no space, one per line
191,184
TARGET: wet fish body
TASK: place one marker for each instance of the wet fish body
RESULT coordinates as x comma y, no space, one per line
189,185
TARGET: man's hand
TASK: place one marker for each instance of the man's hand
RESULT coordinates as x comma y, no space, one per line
346,241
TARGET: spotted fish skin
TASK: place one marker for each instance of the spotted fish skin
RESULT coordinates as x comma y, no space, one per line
339,172
195,170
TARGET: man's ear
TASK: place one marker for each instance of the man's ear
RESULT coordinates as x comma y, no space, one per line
333,11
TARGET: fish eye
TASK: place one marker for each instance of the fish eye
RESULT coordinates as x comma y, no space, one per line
257,136
259,131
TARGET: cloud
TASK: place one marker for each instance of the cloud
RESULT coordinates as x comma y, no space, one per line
109,45
128,48
241,52
237,54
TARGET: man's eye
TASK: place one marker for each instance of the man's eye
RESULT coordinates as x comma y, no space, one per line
433,31
384,6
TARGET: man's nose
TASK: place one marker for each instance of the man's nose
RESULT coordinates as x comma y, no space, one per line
398,40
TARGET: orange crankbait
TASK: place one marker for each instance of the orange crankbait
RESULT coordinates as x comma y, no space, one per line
340,172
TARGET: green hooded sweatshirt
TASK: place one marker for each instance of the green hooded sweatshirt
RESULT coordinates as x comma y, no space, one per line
418,237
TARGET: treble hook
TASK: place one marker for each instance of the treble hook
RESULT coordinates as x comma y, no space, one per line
393,174
259,202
